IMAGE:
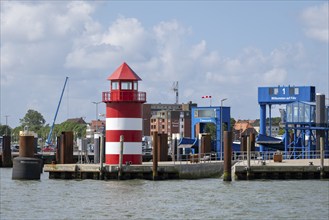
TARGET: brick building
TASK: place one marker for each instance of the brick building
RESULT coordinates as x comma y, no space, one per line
151,111
172,122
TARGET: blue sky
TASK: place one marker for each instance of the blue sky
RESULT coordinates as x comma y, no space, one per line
225,49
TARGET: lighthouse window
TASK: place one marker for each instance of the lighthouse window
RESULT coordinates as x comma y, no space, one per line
135,86
126,85
115,85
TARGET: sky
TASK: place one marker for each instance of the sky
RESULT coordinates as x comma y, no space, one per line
223,49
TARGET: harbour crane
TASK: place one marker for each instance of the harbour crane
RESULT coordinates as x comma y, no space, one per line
48,141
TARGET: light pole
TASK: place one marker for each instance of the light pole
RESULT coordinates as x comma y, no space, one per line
96,103
221,128
6,124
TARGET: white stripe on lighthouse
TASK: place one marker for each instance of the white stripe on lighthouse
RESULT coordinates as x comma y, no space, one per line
124,124
128,148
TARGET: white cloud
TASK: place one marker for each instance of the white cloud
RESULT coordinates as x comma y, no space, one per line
198,50
275,76
287,53
316,20
128,34
22,21
65,39
74,18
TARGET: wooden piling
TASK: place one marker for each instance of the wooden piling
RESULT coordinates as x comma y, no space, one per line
162,147
97,147
205,144
248,156
101,158
66,149
6,152
243,144
155,156
321,158
227,156
174,147
252,142
199,148
58,150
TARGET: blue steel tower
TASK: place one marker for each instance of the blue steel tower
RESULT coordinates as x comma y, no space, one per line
281,95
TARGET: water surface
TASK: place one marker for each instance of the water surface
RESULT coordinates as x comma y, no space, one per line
172,199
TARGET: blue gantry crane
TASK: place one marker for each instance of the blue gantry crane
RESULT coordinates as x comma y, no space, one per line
48,141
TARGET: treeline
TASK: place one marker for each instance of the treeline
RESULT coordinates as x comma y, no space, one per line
35,122
275,121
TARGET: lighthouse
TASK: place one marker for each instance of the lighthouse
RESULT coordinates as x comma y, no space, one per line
124,116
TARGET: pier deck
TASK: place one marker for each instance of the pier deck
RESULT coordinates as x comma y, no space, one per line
287,169
166,170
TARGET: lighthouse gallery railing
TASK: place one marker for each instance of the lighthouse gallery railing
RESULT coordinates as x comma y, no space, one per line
124,96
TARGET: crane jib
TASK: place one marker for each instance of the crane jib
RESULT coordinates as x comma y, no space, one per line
48,142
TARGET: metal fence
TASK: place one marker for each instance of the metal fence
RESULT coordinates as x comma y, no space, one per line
255,156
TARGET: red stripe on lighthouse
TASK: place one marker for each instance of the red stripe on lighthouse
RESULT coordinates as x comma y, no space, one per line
124,110
129,136
114,158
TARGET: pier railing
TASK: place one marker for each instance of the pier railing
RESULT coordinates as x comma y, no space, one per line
255,156
195,158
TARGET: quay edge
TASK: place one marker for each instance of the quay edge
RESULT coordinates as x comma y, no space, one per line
287,169
166,170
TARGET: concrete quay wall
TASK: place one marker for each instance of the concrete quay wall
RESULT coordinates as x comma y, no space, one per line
287,169
166,170
200,170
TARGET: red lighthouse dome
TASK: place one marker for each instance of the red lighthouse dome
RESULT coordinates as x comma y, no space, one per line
124,116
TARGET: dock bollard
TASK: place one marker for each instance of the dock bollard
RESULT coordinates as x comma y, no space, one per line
25,166
26,146
155,156
227,156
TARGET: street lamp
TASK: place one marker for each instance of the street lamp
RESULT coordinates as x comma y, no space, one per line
221,128
6,116
96,103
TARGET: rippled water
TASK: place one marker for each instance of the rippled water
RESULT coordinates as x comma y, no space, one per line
172,199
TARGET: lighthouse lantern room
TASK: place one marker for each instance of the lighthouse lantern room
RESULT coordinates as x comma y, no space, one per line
124,116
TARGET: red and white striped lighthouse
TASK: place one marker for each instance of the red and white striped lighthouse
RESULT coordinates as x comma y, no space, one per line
124,116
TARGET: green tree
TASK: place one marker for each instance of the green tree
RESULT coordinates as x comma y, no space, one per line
79,130
232,121
274,121
33,119
43,133
281,131
211,129
5,130
15,133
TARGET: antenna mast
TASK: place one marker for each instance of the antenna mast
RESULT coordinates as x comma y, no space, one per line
175,89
